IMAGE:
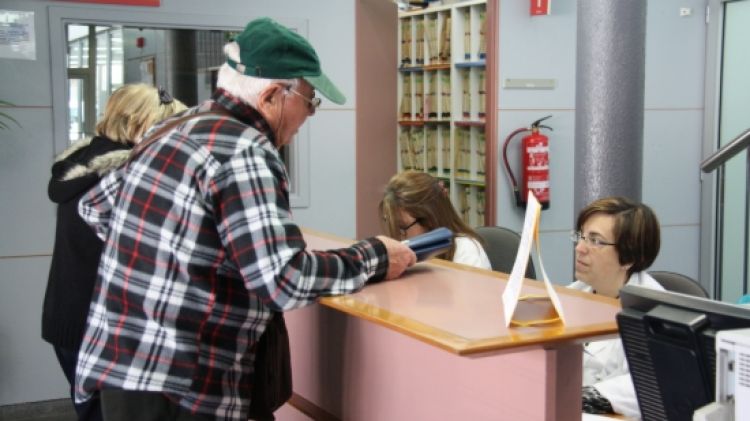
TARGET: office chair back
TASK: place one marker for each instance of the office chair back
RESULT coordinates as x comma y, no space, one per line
501,245
677,282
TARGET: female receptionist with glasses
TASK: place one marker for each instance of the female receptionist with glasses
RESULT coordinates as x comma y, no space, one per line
616,241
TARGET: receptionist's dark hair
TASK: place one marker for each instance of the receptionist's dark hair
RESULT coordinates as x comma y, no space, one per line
637,237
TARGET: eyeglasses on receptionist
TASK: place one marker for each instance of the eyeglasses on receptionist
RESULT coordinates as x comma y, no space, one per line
591,241
405,229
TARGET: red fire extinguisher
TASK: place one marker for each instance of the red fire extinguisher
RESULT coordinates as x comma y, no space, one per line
535,158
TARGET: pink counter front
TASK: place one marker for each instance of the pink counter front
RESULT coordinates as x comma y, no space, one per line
433,345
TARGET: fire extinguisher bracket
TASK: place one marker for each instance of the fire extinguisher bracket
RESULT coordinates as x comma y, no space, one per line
535,164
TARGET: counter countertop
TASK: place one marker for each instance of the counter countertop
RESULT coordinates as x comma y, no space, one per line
459,308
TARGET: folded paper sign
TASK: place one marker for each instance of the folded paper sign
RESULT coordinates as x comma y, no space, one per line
512,293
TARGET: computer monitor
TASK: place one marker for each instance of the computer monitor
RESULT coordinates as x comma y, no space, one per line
669,340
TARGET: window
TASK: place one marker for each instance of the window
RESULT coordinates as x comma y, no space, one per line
98,53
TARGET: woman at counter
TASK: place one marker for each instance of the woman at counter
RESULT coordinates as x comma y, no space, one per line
415,202
130,111
616,241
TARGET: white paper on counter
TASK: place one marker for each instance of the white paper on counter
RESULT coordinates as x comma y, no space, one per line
529,234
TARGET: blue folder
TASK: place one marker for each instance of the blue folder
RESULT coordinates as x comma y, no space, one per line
431,243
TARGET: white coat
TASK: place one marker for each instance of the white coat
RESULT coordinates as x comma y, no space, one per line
470,252
604,363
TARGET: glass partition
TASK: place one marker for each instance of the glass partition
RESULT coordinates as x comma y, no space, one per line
102,56
733,200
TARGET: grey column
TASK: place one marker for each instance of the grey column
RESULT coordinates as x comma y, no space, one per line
610,73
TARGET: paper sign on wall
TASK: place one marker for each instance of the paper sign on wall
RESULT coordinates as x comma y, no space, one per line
512,293
17,36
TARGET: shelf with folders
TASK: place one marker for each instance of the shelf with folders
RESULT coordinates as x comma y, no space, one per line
426,147
425,96
441,85
472,90
471,203
469,175
469,160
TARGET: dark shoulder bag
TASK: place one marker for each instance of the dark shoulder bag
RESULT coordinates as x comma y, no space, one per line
272,378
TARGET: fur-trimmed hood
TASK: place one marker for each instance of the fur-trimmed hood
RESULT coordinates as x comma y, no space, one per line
83,164
99,165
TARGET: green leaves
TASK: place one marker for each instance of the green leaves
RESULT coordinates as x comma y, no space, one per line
5,118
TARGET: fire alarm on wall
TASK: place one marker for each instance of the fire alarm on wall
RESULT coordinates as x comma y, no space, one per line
140,42
540,7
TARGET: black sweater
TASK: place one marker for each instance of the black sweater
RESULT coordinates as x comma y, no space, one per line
77,249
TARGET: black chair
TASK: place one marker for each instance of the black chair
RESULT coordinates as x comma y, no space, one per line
501,245
677,282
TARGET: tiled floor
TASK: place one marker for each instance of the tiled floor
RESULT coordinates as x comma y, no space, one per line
290,413
61,410
54,410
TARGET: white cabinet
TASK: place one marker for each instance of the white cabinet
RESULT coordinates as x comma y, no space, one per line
442,94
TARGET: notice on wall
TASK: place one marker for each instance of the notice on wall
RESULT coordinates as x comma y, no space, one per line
148,70
17,36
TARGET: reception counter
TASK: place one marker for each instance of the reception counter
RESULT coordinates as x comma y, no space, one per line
432,345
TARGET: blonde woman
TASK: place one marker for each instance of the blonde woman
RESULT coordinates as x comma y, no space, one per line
415,202
130,111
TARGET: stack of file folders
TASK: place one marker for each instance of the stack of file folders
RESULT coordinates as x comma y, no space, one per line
431,243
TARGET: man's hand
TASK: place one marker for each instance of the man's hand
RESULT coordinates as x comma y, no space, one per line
400,257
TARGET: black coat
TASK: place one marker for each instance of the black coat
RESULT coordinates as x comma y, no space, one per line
77,249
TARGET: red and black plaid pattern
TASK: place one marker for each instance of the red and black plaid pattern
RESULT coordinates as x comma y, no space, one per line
199,248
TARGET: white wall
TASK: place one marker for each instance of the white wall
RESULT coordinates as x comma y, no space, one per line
544,47
28,369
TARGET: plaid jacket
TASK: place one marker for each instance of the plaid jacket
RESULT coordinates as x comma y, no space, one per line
199,248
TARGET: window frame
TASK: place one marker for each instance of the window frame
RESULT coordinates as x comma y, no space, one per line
59,16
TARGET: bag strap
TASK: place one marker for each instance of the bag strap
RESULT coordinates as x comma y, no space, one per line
158,134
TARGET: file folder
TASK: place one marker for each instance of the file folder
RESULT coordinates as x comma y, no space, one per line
431,243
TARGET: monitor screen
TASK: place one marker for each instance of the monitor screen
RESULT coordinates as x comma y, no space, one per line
669,340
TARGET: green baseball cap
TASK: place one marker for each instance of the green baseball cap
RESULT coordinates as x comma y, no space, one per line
272,51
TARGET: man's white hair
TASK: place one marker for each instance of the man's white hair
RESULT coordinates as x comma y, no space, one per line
246,88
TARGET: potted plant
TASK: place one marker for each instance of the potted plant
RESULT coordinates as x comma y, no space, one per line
5,118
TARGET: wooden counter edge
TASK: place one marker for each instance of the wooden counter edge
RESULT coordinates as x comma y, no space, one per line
457,344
